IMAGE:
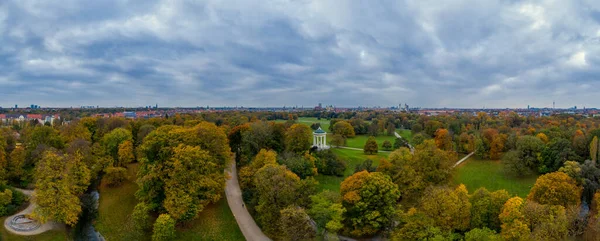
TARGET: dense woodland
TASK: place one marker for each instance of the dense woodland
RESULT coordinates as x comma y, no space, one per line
407,196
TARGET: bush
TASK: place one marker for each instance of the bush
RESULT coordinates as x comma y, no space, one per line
303,166
10,201
387,145
367,165
115,176
141,217
164,228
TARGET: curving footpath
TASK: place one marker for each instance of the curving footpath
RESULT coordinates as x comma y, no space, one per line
43,228
245,221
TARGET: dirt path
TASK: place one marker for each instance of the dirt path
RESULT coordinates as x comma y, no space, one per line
462,160
245,221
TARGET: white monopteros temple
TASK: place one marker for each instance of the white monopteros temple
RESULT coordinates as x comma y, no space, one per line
320,139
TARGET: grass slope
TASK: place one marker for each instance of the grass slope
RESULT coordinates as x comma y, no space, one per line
475,173
215,222
352,158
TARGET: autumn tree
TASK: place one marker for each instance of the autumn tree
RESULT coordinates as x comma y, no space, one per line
580,143
543,137
338,140
344,129
327,211
246,173
60,181
416,225
514,224
555,188
556,154
450,209
296,224
547,222
497,146
181,169
125,153
16,165
370,200
482,234
371,146
443,139
298,138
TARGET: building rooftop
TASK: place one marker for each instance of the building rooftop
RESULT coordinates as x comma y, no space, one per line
320,131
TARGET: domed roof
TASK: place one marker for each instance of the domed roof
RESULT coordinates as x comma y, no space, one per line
319,131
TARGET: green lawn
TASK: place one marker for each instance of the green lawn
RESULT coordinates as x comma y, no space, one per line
406,134
53,235
476,173
352,158
309,121
215,222
360,140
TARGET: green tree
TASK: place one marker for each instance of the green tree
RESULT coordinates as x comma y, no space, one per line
480,150
400,142
594,149
16,165
328,163
485,208
295,224
164,228
555,188
302,165
344,129
387,145
416,225
298,138
338,140
529,149
276,188
113,139
327,211
114,176
556,154
547,222
141,217
371,146
482,234
370,200
418,139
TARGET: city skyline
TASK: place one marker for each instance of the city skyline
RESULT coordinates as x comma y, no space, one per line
455,54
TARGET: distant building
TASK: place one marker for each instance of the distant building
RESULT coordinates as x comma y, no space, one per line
129,114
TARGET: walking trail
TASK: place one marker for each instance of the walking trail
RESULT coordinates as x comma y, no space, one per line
245,221
462,160
43,227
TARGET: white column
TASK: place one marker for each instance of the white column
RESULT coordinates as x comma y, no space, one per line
314,140
325,140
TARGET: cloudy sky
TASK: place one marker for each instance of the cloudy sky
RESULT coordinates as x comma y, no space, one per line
426,53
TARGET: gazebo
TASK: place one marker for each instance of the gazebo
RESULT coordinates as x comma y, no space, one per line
320,139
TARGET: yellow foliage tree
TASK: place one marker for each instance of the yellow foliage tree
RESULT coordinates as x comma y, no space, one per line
543,137
443,140
514,224
555,188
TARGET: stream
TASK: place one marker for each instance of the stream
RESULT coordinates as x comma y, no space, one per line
84,230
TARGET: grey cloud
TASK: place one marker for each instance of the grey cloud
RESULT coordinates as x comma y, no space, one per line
299,52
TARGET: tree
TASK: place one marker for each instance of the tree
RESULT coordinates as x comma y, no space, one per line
449,209
328,163
482,234
315,126
415,225
344,129
497,146
143,132
338,140
276,189
400,142
298,138
543,137
16,165
115,176
296,224
443,140
387,145
302,165
125,153
434,164
141,217
113,139
594,149
261,159
580,144
485,208
370,200
556,154
164,228
327,211
371,146
547,222
390,129
529,148
366,165
480,150
432,126
181,168
60,180
418,139
514,224
555,188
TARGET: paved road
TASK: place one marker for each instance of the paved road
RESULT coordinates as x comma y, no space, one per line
245,221
43,228
462,160
412,149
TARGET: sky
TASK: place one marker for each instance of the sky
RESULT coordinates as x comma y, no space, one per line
426,53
